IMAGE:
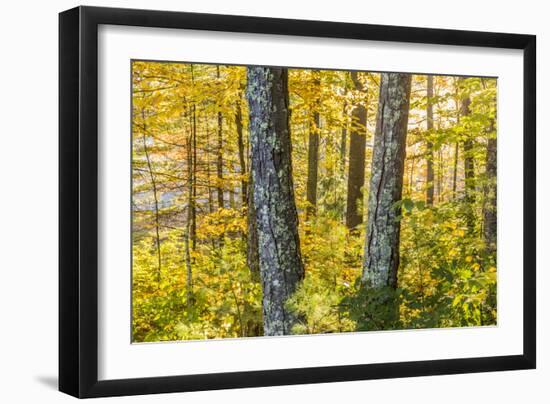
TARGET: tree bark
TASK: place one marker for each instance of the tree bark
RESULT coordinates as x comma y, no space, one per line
313,150
429,144
208,175
155,198
381,259
281,267
188,225
344,139
455,169
469,169
193,180
219,161
240,145
356,166
490,203
252,254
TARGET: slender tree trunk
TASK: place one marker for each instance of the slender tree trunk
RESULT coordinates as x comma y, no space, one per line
242,158
188,225
155,198
313,151
490,188
490,203
440,176
344,139
356,173
231,192
429,144
219,162
281,265
455,169
411,176
208,174
469,169
381,259
194,176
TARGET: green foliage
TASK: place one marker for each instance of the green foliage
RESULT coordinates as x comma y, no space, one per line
373,309
332,265
225,300
446,279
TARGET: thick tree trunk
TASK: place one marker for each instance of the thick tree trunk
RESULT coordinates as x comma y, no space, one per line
356,173
429,144
381,259
254,326
313,150
281,265
490,203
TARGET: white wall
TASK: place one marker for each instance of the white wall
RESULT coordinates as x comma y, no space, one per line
28,199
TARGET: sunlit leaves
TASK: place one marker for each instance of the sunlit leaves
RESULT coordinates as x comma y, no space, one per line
447,278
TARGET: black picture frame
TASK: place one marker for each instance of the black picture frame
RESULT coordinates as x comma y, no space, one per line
78,201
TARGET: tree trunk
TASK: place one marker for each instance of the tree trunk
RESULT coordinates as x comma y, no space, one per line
411,176
469,169
281,265
219,162
252,254
381,259
240,145
155,197
356,166
208,177
490,203
194,183
429,144
188,225
231,195
313,151
344,139
440,176
455,169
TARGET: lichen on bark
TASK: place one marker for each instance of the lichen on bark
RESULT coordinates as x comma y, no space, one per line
281,267
381,259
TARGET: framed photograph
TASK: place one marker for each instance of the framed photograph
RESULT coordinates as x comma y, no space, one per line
251,201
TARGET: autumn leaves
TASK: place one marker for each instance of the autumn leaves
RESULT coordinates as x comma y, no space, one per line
273,201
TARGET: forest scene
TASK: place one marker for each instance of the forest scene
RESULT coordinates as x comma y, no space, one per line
271,201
